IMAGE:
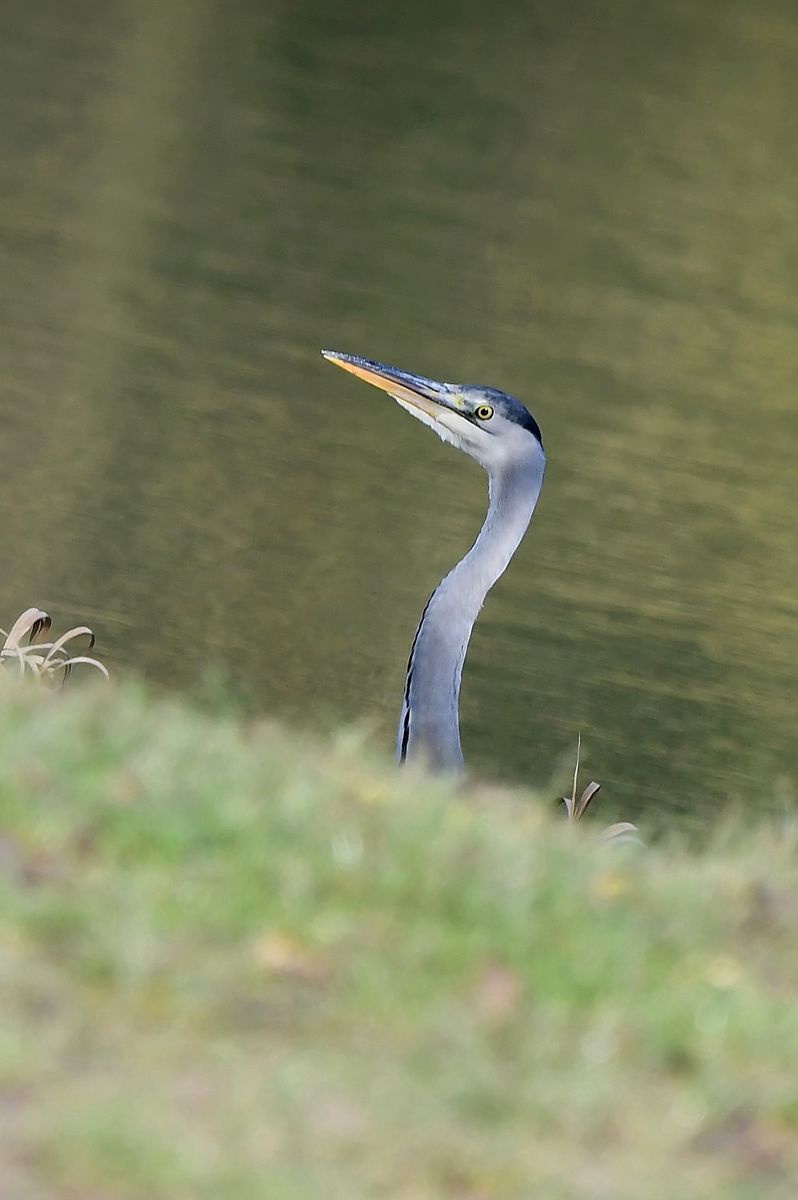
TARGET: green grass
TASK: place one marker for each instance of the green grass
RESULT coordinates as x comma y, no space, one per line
239,964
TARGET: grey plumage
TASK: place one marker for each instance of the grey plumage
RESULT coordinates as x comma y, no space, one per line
499,432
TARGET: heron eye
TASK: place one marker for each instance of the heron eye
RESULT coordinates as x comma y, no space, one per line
484,412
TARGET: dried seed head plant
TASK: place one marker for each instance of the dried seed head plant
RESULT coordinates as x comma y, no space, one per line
48,662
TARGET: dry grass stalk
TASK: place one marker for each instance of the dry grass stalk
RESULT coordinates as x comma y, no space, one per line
576,808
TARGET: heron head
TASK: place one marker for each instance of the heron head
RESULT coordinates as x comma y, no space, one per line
490,426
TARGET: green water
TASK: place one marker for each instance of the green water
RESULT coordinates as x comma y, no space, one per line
590,205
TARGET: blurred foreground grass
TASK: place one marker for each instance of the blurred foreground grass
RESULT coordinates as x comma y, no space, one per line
237,964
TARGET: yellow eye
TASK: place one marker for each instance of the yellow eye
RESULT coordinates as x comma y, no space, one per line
484,412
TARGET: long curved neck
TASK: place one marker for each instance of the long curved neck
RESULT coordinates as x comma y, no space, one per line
429,726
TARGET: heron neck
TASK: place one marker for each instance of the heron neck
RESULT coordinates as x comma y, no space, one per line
429,727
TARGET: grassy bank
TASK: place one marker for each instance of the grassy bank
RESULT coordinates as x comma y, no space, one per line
236,964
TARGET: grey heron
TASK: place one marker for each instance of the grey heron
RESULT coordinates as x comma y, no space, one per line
504,438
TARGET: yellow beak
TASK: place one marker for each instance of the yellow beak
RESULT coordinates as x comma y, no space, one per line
427,395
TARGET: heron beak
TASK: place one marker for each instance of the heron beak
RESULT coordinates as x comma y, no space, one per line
426,395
